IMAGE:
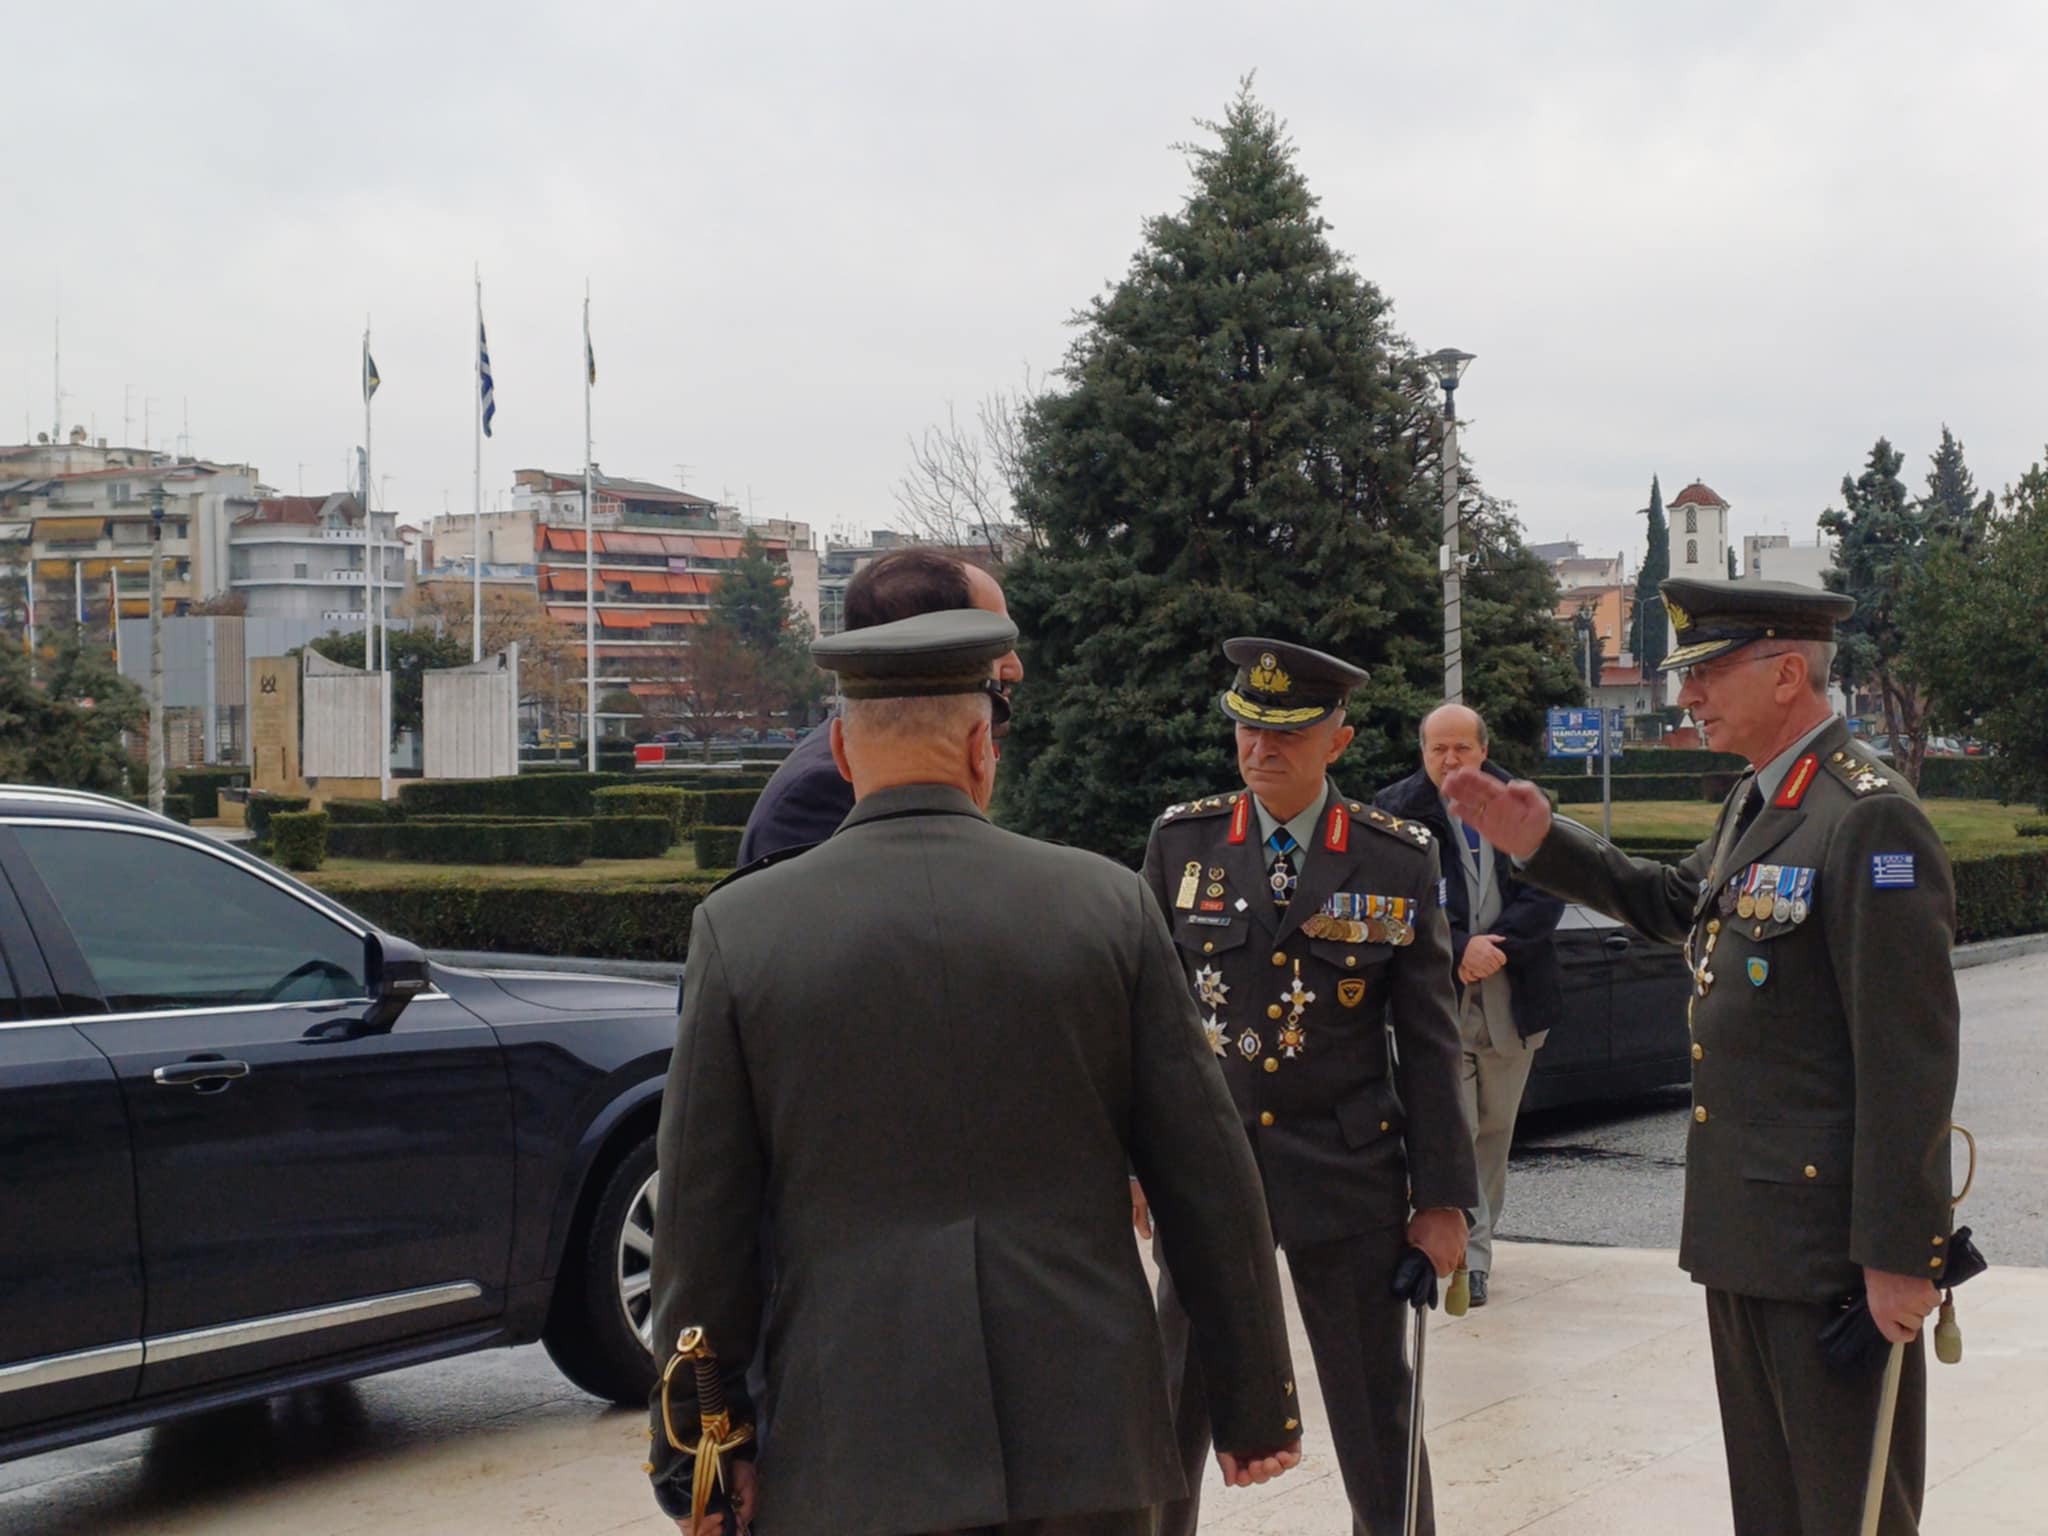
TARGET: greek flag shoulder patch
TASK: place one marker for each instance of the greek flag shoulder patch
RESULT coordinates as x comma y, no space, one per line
1892,871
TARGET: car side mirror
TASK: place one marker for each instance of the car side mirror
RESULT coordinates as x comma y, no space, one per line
397,973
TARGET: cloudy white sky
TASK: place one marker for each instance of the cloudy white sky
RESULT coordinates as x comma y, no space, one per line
1728,240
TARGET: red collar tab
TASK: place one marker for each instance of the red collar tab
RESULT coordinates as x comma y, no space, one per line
1337,834
1241,817
1796,783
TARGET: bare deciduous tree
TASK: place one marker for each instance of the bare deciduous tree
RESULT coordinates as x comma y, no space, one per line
961,486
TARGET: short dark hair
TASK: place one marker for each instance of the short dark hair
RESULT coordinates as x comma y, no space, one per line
903,584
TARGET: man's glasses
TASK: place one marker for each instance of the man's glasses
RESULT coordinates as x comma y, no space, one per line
1706,672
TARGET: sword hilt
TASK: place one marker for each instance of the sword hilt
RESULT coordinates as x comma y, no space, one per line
710,1385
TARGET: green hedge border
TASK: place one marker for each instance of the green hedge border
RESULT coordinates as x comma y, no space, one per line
298,839
624,922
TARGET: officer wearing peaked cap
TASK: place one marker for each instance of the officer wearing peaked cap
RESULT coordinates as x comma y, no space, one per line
928,1051
1307,922
1816,919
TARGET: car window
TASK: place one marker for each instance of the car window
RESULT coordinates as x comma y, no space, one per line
167,925
10,1000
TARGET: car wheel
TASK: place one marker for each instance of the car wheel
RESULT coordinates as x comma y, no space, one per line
600,1327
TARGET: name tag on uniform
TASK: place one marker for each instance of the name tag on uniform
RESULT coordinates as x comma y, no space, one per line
1892,871
1206,921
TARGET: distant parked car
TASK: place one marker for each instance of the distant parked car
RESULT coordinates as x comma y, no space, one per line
1623,1030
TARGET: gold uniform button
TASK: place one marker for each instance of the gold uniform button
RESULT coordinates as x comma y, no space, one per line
1265,1117
1713,925
1278,958
1699,1052
1934,1263
1209,947
1291,1424
1272,1065
1700,1114
1272,1010
1386,1125
1812,1172
1939,1241
1351,960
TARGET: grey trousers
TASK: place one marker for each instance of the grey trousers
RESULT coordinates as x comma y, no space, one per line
1112,1522
1492,1084
1798,1434
1357,1332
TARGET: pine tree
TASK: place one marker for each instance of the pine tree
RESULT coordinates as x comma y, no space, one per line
65,730
1953,507
1650,636
753,597
1882,546
1240,444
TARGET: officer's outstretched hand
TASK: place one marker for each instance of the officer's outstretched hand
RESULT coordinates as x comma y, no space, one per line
1258,1469
1515,817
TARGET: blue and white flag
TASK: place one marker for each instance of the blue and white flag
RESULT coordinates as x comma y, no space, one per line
487,401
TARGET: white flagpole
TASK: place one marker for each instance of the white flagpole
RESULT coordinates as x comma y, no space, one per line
589,562
476,524
369,527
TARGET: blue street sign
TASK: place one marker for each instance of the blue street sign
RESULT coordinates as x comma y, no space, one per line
1576,733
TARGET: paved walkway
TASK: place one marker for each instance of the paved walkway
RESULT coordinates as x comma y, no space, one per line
1580,1403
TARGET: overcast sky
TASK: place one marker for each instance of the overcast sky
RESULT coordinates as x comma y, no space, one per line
1733,241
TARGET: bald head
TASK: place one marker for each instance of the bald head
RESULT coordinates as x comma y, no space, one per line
1452,737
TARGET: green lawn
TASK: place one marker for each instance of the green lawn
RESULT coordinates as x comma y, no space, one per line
341,875
1958,821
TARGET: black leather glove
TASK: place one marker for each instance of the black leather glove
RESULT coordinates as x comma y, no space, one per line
1415,1279
1852,1342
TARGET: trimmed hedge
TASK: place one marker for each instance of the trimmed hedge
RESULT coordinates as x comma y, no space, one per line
1637,760
2000,890
661,800
1957,778
261,808
718,847
631,837
176,807
532,794
342,810
727,807
560,843
704,778
1576,789
298,839
204,785
625,922
2034,829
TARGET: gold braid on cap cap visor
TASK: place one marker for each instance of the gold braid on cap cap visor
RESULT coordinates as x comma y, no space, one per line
922,688
1260,714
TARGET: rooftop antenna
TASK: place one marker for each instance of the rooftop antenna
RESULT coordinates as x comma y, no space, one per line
185,437
57,370
683,477
127,417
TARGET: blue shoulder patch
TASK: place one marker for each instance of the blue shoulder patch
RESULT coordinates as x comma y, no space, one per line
1892,871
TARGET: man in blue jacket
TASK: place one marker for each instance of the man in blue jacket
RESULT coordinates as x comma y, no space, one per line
1506,968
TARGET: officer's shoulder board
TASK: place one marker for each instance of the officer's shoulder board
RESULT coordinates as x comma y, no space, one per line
1862,774
1413,833
1208,805
780,856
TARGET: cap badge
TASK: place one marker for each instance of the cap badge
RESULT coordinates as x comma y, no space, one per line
1680,619
1268,676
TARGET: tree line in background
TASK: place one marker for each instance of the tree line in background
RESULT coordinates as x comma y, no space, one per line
1951,590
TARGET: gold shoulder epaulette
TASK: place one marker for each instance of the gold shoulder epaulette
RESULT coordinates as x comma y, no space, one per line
1864,775
1208,805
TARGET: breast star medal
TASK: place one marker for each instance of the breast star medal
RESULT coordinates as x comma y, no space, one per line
1212,1027
1210,986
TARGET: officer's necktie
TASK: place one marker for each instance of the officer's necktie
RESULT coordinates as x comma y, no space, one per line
1281,874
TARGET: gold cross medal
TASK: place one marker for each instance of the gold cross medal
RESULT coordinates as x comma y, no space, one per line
1293,1037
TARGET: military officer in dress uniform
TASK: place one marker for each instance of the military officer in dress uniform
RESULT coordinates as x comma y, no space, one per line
930,1050
1816,920
1306,921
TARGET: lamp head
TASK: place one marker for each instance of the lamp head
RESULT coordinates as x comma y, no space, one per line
1448,366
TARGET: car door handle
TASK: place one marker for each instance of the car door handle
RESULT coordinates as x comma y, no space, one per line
206,1076
1615,941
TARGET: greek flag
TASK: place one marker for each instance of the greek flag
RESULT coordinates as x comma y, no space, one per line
488,398
370,379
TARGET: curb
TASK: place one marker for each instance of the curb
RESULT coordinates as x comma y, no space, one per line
1963,957
1989,951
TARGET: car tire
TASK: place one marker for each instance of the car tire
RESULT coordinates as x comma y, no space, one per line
595,1327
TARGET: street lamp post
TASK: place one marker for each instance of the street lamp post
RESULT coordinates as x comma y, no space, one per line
156,649
1449,366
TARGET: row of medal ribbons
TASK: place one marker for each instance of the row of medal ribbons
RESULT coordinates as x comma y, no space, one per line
1781,893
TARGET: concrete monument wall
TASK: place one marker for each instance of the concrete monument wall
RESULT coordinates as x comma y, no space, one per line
345,713
472,719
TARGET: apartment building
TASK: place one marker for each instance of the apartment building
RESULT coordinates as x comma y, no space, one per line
311,558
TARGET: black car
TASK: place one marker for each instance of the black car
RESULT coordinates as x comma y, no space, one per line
251,1144
1624,1028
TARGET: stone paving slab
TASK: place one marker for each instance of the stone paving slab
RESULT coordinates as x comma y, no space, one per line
1579,1403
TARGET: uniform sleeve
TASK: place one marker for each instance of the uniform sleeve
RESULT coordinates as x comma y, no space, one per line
706,1267
1654,899
1423,1009
1890,950
1214,1234
1155,871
